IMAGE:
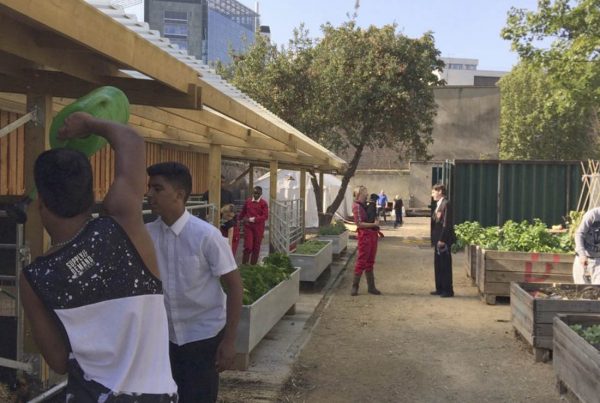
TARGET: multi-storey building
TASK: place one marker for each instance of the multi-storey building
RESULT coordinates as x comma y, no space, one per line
459,71
207,29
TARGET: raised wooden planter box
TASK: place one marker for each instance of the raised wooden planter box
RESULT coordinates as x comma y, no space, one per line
258,319
313,265
496,270
576,362
532,317
339,242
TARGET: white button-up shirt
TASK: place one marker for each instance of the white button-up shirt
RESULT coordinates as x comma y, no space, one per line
192,255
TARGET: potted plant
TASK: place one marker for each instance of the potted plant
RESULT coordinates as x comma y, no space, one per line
337,233
270,291
313,257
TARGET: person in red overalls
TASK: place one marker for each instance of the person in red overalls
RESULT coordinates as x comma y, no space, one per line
367,243
254,214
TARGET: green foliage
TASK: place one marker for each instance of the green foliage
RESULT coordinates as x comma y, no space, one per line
591,334
512,236
352,89
311,247
258,279
279,259
538,121
336,228
557,85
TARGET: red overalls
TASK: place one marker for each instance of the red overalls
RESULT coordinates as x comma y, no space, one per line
253,231
367,241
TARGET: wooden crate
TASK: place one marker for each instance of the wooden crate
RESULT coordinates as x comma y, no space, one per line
532,317
496,270
576,362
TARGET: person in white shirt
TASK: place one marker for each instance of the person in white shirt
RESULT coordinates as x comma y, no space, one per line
586,267
193,258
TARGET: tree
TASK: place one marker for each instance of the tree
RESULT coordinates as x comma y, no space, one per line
535,125
560,42
352,89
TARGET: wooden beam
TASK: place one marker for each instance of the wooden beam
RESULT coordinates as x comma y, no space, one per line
85,25
141,92
303,195
214,181
272,197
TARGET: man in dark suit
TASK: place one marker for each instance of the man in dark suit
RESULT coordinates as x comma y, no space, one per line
442,237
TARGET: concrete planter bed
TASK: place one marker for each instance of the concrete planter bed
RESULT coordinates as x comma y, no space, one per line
313,265
339,242
532,317
496,270
576,362
259,318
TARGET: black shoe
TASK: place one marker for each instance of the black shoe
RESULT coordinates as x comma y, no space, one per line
447,295
435,293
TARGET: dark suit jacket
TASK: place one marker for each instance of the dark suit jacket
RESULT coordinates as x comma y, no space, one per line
442,224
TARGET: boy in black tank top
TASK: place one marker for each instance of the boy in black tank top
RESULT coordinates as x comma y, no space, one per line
94,299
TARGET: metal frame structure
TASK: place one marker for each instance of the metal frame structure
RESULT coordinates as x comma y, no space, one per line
287,223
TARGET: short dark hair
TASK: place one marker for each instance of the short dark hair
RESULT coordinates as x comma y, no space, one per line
64,181
175,173
257,187
440,187
374,196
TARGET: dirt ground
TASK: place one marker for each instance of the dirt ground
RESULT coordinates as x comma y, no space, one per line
409,346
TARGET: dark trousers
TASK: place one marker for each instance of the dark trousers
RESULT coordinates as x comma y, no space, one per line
381,212
442,263
398,217
194,371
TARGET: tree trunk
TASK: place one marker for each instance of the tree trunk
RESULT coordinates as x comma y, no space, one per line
325,218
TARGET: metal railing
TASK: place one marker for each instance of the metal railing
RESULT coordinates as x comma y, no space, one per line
287,224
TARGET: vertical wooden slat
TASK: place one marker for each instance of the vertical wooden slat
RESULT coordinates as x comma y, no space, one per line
12,158
20,153
4,156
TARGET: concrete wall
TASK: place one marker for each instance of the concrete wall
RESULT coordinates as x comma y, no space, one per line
467,125
420,182
393,182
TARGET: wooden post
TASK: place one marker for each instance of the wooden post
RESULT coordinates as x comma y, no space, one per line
214,181
38,240
303,197
272,196
250,180
322,195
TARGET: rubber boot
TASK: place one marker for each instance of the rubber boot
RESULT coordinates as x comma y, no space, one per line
371,283
355,282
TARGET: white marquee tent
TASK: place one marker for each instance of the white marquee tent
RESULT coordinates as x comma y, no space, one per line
288,188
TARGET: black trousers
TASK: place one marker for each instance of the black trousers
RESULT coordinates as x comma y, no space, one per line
194,371
442,264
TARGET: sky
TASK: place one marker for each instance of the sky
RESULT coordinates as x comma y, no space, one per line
462,28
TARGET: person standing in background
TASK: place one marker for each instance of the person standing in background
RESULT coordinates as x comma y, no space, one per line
253,215
382,204
442,238
398,208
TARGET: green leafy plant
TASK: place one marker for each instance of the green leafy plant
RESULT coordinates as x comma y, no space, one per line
513,236
335,228
311,247
259,279
591,333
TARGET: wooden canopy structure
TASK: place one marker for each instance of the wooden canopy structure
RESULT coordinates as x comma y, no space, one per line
67,48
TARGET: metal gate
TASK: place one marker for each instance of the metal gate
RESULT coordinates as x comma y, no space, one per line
287,224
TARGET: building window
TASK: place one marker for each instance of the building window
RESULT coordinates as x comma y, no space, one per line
471,66
175,28
455,66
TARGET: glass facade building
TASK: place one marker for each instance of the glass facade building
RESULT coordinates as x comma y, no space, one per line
207,29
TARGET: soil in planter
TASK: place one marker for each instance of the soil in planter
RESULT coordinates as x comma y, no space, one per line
566,293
